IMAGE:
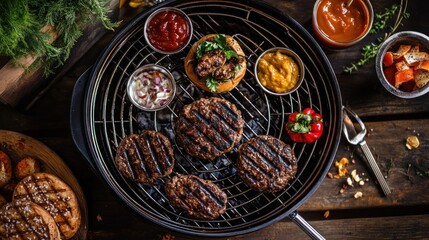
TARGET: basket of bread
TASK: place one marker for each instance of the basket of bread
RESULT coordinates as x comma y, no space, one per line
35,201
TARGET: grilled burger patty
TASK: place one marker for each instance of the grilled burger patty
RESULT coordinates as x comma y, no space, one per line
209,127
146,157
198,198
210,62
27,221
265,163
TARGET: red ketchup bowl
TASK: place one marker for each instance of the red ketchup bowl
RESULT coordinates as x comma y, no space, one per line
168,30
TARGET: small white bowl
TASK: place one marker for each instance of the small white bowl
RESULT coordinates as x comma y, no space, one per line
131,86
297,60
401,38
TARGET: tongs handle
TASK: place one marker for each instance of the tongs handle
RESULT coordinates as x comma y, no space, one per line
356,138
305,226
376,170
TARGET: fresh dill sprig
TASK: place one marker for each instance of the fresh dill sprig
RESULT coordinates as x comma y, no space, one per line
22,20
381,21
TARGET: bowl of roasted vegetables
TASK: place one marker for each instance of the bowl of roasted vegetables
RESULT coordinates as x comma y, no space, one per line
402,64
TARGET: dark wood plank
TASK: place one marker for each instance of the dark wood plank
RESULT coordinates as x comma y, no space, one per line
362,228
349,228
389,139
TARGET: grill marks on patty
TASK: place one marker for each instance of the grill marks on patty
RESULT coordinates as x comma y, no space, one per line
228,70
215,62
212,125
266,163
146,157
197,198
210,62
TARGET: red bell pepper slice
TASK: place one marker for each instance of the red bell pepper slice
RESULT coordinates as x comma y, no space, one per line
388,59
403,76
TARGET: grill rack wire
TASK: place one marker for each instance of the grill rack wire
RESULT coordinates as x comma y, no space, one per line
112,116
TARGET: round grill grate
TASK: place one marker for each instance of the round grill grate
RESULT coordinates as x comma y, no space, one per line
109,115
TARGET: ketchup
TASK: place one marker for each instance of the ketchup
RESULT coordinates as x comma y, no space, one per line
168,31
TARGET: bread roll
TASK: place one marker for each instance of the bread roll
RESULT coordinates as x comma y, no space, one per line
5,169
27,221
222,86
27,166
55,196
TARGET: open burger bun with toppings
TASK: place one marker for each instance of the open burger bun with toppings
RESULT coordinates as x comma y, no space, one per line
216,69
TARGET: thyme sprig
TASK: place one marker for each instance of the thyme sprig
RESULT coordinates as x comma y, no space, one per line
381,21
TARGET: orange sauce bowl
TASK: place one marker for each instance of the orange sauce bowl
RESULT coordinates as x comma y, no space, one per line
337,25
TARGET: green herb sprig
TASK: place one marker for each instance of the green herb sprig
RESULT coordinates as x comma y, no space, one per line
381,21
211,83
219,42
22,20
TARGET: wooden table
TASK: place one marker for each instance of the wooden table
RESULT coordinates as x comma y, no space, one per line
403,215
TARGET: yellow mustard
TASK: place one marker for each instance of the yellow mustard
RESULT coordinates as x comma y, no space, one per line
278,72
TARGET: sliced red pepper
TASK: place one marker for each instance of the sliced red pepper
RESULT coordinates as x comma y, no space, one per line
306,126
388,59
403,76
389,73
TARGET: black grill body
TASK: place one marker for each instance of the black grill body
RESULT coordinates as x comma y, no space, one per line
102,115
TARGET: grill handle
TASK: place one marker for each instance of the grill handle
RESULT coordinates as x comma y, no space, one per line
305,226
76,113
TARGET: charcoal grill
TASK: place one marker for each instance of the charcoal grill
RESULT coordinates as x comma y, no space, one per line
102,115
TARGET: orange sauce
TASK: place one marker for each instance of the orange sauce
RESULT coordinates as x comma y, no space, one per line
340,23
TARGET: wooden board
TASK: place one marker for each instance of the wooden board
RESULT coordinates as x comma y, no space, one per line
17,84
406,185
18,146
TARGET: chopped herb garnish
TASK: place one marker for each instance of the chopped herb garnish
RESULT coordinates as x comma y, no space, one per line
218,42
211,83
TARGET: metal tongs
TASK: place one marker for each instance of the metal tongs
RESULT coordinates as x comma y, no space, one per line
356,138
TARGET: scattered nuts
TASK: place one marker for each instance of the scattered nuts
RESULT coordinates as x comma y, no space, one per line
342,166
361,182
355,176
358,195
353,173
330,175
412,142
349,182
326,214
